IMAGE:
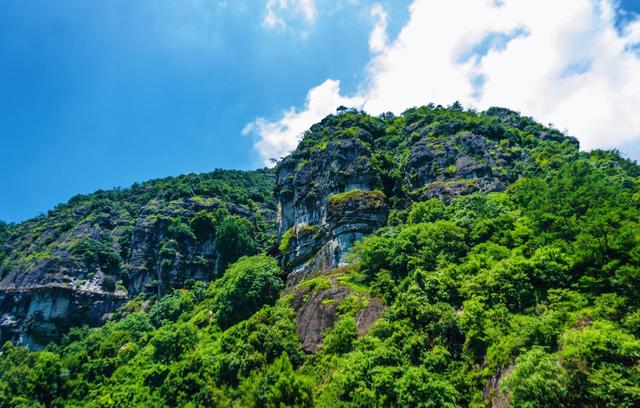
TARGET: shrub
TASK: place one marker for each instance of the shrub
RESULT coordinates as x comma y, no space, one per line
109,283
246,286
233,240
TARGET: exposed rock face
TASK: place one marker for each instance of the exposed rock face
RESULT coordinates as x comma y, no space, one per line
492,391
318,310
460,164
193,260
318,314
318,212
35,316
303,187
81,262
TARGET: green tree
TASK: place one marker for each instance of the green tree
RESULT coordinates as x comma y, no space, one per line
246,286
281,386
233,240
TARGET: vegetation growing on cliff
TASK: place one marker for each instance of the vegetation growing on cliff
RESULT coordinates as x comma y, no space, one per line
97,232
528,296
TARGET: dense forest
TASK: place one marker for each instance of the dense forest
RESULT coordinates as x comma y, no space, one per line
506,267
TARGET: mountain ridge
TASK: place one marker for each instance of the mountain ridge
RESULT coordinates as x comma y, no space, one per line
438,258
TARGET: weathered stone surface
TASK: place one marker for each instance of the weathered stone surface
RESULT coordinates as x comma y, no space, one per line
35,316
323,261
366,317
492,392
304,188
462,157
318,314
318,311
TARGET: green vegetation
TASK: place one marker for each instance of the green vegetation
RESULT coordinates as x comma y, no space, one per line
246,286
301,231
533,288
166,219
233,239
366,199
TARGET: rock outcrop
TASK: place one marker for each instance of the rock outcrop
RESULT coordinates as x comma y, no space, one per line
34,316
325,204
319,301
83,260
351,169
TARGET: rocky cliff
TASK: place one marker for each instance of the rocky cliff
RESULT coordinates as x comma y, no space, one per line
350,175
351,170
84,259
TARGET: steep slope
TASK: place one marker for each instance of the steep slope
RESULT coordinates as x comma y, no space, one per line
351,170
83,259
440,258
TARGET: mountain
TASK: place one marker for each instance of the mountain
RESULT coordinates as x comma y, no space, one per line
442,257
80,262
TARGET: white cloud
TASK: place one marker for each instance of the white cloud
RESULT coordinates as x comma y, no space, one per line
277,138
278,10
562,62
378,40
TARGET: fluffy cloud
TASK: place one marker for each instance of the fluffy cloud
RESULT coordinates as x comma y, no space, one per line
562,62
277,8
279,137
378,40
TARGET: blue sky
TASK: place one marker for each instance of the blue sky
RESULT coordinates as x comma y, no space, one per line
96,94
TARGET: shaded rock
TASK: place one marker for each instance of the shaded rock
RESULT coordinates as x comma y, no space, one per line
318,314
35,316
317,303
366,317
492,392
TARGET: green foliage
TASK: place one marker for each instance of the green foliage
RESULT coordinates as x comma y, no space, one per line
171,342
233,240
533,278
182,360
283,246
109,283
427,211
246,286
279,386
98,254
527,296
340,339
365,200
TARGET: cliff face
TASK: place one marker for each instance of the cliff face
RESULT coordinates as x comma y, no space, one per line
350,175
84,259
34,316
325,204
351,170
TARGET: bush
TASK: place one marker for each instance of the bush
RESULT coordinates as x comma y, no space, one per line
246,286
427,211
282,387
170,342
109,283
233,240
340,339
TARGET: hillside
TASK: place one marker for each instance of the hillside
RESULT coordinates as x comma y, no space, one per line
440,258
79,262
